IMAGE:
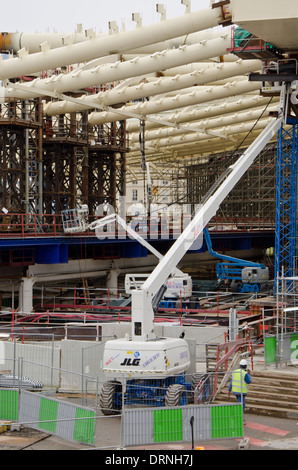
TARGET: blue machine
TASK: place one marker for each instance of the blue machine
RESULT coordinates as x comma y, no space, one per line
172,391
156,392
249,276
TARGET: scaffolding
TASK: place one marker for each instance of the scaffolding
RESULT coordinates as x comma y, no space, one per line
253,199
50,164
286,204
21,156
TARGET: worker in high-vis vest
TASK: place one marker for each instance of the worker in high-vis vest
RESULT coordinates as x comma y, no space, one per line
239,381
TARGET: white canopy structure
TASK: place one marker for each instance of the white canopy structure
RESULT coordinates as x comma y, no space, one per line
179,75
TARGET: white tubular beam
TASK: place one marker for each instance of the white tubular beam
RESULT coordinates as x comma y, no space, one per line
77,100
202,151
188,40
197,66
187,140
208,145
240,141
33,41
122,70
179,101
218,146
194,114
204,125
189,68
160,86
110,44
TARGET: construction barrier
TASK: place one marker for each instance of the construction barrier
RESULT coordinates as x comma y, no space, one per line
149,426
66,420
282,348
270,349
9,405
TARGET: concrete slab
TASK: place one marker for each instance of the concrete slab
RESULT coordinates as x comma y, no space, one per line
19,440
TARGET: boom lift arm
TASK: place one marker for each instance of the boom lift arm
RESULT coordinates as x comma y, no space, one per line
251,274
229,259
142,312
75,220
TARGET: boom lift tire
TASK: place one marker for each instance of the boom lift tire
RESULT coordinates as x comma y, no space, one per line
107,401
176,395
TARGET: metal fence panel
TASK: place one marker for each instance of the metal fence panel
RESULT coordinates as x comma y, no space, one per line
79,357
48,415
226,421
201,423
64,428
66,420
29,407
41,361
85,423
137,426
9,402
181,424
282,348
168,425
270,349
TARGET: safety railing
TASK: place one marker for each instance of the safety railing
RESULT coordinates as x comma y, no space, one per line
235,224
14,225
30,225
231,351
244,42
202,391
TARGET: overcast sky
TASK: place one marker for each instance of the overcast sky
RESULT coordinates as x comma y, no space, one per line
63,15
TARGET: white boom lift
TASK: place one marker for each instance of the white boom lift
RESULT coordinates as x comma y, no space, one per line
143,355
175,352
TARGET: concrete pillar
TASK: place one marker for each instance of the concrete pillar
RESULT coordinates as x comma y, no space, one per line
112,282
233,324
26,294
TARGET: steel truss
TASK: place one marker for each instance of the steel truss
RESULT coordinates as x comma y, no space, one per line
105,165
50,164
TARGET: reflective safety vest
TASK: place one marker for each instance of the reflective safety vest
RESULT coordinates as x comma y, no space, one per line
239,385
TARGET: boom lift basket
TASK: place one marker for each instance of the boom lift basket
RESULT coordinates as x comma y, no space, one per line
75,220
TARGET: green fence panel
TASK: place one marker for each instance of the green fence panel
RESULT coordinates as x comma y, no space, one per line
294,348
48,412
226,422
270,349
84,430
168,425
9,405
